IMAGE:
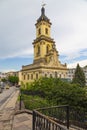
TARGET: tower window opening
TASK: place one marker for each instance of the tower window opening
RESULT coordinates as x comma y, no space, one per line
47,49
38,50
46,30
39,31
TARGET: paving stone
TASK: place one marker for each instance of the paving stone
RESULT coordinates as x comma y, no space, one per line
21,127
7,127
21,120
24,118
1,126
7,113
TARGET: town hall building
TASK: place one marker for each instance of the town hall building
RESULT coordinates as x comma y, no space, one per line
46,57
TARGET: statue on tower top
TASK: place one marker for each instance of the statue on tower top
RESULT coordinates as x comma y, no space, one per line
43,4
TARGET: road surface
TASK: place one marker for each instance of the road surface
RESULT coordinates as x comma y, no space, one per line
5,95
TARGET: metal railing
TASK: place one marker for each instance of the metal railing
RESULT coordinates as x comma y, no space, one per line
51,118
78,118
63,115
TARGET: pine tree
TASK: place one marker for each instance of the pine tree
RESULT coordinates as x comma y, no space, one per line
79,76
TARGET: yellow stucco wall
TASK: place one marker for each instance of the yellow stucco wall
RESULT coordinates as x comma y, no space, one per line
43,73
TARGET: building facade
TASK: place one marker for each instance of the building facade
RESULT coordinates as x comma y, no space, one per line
2,75
12,73
46,57
70,73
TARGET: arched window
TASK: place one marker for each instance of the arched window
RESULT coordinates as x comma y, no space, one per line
47,48
39,31
38,50
55,74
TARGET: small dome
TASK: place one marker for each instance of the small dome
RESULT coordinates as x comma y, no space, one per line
43,17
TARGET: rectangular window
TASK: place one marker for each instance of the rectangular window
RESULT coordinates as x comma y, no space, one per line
24,77
45,75
36,76
31,76
55,74
28,76
50,75
46,30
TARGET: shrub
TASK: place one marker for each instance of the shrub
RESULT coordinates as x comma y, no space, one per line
34,102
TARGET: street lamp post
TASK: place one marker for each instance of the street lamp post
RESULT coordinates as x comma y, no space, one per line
20,99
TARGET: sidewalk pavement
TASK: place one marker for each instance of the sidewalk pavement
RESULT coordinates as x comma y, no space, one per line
22,121
13,119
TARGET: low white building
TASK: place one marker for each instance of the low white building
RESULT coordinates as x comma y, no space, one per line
70,73
2,75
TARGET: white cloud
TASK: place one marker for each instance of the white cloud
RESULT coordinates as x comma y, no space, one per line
16,33
17,29
70,29
81,63
8,70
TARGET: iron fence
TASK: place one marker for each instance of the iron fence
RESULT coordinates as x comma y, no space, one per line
78,118
51,118
63,115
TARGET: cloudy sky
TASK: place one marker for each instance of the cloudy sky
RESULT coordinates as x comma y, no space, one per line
17,31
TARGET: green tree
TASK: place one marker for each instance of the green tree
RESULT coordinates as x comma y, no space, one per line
4,79
13,79
79,76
